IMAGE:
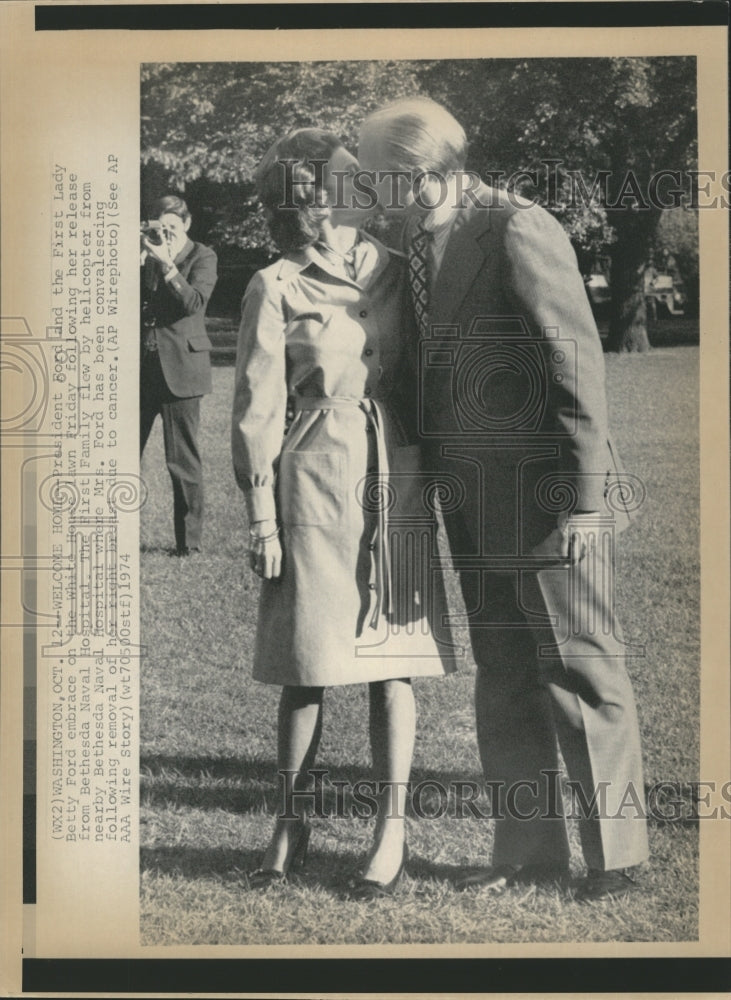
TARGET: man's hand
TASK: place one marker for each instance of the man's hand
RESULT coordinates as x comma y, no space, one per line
570,540
159,252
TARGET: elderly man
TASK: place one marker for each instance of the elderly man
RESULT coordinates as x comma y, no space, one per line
512,407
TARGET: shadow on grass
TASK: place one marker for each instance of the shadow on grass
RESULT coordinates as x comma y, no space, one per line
223,357
234,784
241,785
194,862
328,870
158,550
665,331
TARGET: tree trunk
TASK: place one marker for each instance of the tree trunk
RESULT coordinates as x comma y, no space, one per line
630,253
628,312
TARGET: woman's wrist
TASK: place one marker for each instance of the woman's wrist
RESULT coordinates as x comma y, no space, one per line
263,531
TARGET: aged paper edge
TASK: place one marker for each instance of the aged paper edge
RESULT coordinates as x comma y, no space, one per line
51,86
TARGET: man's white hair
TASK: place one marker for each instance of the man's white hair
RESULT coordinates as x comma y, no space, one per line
418,134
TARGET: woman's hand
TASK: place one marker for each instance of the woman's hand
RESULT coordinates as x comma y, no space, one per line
265,552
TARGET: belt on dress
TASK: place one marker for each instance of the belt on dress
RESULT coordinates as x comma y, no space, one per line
374,416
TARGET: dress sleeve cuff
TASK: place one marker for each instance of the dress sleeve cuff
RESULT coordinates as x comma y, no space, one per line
172,273
260,504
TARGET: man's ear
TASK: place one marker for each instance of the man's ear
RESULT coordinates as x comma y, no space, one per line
421,179
186,224
428,189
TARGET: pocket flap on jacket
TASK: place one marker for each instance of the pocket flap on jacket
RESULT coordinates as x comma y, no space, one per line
199,342
312,487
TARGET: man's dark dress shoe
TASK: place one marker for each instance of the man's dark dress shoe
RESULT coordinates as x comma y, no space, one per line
599,884
502,877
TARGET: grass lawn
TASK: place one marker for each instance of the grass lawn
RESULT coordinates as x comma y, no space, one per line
666,331
209,732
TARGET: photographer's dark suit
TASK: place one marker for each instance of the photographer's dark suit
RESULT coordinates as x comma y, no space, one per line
175,373
513,405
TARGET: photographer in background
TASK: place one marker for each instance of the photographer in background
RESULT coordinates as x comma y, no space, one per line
177,278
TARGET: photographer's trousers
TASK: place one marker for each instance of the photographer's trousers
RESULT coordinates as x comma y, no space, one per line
180,421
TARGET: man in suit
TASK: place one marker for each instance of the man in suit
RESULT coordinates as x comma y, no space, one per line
513,408
178,277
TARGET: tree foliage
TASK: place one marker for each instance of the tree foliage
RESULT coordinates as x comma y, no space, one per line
208,125
560,123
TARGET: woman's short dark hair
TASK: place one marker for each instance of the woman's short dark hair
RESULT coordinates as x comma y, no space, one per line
170,204
290,185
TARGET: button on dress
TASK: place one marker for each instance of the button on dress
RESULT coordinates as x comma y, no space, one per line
361,594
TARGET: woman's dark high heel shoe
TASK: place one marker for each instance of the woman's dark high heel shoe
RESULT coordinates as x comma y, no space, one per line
366,889
262,878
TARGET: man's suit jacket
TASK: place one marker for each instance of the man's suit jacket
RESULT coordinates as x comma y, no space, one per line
176,308
512,378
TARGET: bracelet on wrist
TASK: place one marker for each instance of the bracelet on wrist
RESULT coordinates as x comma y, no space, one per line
263,538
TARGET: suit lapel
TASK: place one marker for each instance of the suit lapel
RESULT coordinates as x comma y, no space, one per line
188,248
462,261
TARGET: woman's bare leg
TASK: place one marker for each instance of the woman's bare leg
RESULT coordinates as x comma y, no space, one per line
300,727
392,732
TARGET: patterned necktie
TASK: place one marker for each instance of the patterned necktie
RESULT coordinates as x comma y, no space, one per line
419,277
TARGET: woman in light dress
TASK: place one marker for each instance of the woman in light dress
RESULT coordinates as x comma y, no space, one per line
339,515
